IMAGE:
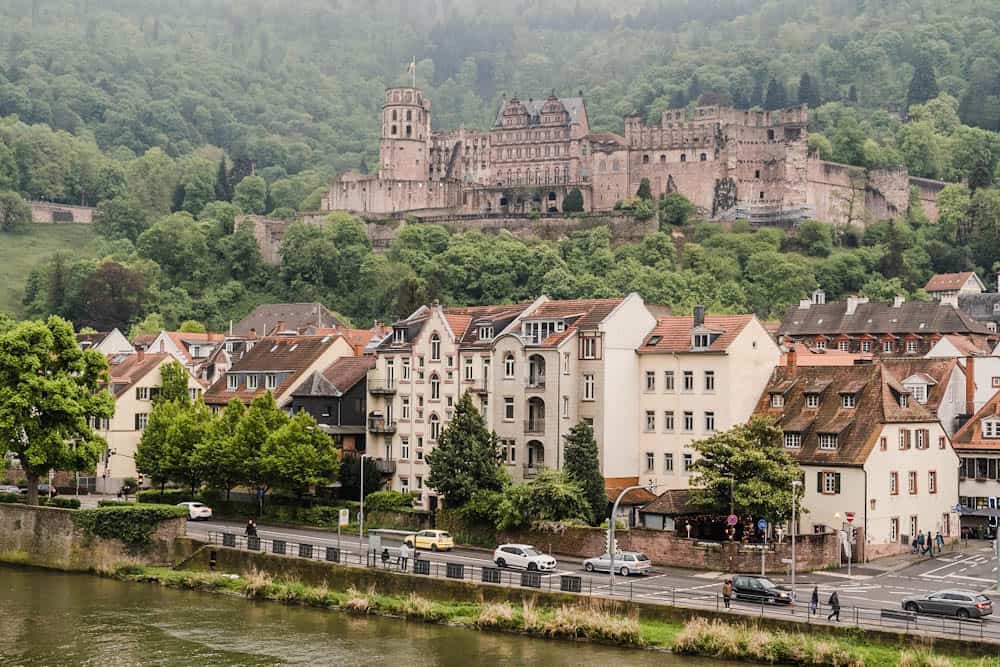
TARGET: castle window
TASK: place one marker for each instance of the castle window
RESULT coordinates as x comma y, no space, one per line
663,159
770,135
684,158
702,157
761,194
409,115
393,131
756,173
394,114
645,159
409,130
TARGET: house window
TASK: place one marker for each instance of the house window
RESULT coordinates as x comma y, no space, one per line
565,407
399,336
829,483
911,347
485,333
911,482
406,368
848,400
141,420
252,382
883,443
435,347
688,422
589,345
991,428
565,363
894,483
820,344
827,440
194,393
914,528
270,381
650,421
941,442
701,341
508,408
709,422
931,481
918,391
142,393
508,365
866,346
404,449
404,485
588,387
450,361
405,409
650,380
668,421
812,400
232,382
709,380
688,462
420,482
468,368
904,400
793,440
777,400
668,380
688,380
904,438
435,387
922,438
650,461
894,529
887,346
668,462
435,427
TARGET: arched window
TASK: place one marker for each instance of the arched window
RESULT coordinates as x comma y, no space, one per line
435,427
508,365
435,387
409,114
684,158
435,347
394,114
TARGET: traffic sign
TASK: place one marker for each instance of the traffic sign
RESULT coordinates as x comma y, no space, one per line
957,509
762,525
345,517
849,516
732,520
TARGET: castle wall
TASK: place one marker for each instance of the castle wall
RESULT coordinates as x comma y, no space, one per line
835,192
382,196
46,212
928,192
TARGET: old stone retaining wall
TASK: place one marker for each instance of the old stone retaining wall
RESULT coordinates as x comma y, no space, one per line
47,537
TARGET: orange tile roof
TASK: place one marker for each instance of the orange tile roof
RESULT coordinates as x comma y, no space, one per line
808,356
126,370
179,338
944,282
673,334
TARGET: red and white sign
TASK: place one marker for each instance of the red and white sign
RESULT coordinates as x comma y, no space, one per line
849,516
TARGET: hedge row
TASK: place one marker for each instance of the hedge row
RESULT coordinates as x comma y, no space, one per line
134,525
21,499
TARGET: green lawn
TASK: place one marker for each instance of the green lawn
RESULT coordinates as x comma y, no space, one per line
21,252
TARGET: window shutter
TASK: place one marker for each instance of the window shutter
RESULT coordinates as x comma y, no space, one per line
906,438
819,482
137,422
836,478
927,438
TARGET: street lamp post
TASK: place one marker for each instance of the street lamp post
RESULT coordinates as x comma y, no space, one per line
611,527
795,484
361,514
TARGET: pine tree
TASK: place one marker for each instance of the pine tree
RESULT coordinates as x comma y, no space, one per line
923,85
776,98
466,458
807,91
694,89
223,189
573,201
644,192
582,466
852,93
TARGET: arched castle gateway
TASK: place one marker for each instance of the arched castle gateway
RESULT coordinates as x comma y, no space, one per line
730,162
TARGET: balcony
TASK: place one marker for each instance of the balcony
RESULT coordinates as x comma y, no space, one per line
535,383
536,426
380,386
385,466
532,469
381,425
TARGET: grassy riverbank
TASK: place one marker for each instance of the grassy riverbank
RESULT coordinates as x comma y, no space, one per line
590,620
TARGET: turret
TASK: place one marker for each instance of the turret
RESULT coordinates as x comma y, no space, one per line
406,135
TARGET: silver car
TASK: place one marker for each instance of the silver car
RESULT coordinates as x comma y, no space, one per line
626,563
6,488
963,604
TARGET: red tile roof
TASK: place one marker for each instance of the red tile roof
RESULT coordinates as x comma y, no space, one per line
673,334
946,282
970,436
181,340
127,369
831,356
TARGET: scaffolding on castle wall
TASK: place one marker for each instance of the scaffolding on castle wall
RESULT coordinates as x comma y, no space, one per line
772,215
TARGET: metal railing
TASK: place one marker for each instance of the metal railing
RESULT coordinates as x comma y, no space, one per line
536,426
381,425
632,589
381,385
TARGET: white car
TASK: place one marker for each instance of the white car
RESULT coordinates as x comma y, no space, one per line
197,511
524,556
626,563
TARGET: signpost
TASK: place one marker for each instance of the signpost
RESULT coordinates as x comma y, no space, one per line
342,520
762,527
732,520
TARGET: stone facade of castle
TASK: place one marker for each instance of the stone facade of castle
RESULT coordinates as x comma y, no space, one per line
731,163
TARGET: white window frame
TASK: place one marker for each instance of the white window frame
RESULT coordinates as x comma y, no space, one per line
812,400
848,400
668,462
233,382
435,346
509,366
405,366
142,393
793,440
404,449
669,382
270,381
710,422
589,387
828,441
688,423
650,381
253,381
668,421
777,400
508,408
650,424
688,462
991,428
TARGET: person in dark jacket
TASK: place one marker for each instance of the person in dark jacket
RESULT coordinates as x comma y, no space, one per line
814,601
727,592
834,603
251,529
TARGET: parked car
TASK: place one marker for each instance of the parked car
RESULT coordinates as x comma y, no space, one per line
963,604
7,488
197,511
43,490
626,563
523,556
435,540
760,589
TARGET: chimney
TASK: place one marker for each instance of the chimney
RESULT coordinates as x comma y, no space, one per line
253,332
699,316
140,354
853,302
898,301
792,361
970,386
804,304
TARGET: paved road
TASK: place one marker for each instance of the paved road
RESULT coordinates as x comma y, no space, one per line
868,589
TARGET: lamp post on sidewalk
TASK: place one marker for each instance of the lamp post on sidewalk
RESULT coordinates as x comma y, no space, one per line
611,527
795,484
361,513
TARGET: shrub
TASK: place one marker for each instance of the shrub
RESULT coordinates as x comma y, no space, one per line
923,659
128,569
168,497
10,498
256,583
593,623
115,503
414,606
65,503
496,616
133,525
358,602
388,501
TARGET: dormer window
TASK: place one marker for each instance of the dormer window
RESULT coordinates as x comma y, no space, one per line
918,391
232,382
812,400
701,341
904,400
252,382
848,400
991,428
793,440
399,335
654,340
828,441
486,333
777,400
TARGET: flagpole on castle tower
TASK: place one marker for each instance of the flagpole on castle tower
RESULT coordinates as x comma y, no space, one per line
413,71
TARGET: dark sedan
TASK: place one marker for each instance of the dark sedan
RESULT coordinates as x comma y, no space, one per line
760,589
963,604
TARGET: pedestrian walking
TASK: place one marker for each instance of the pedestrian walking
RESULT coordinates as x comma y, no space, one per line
929,549
385,557
404,555
814,601
251,529
920,543
727,592
834,603
913,545
939,540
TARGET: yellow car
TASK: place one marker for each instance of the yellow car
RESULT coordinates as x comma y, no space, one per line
435,540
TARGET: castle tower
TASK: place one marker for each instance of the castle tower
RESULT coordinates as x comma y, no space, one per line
406,135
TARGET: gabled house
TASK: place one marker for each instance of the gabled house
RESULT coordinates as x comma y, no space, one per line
278,364
978,445
868,447
191,349
134,381
105,342
944,285
275,318
697,375
337,397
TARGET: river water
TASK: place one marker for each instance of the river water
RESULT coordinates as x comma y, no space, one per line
51,619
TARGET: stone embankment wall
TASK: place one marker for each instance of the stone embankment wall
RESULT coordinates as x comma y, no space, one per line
46,212
47,537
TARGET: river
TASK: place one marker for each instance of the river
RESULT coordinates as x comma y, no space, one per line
52,619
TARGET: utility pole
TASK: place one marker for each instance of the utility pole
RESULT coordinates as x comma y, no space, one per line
795,484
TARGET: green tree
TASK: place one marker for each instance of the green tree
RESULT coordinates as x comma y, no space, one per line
15,214
644,193
151,452
191,326
573,201
777,97
151,324
466,458
223,189
923,84
299,455
49,390
262,418
808,93
221,456
549,496
582,466
174,383
250,195
815,238
191,427
675,211
121,218
350,477
746,468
